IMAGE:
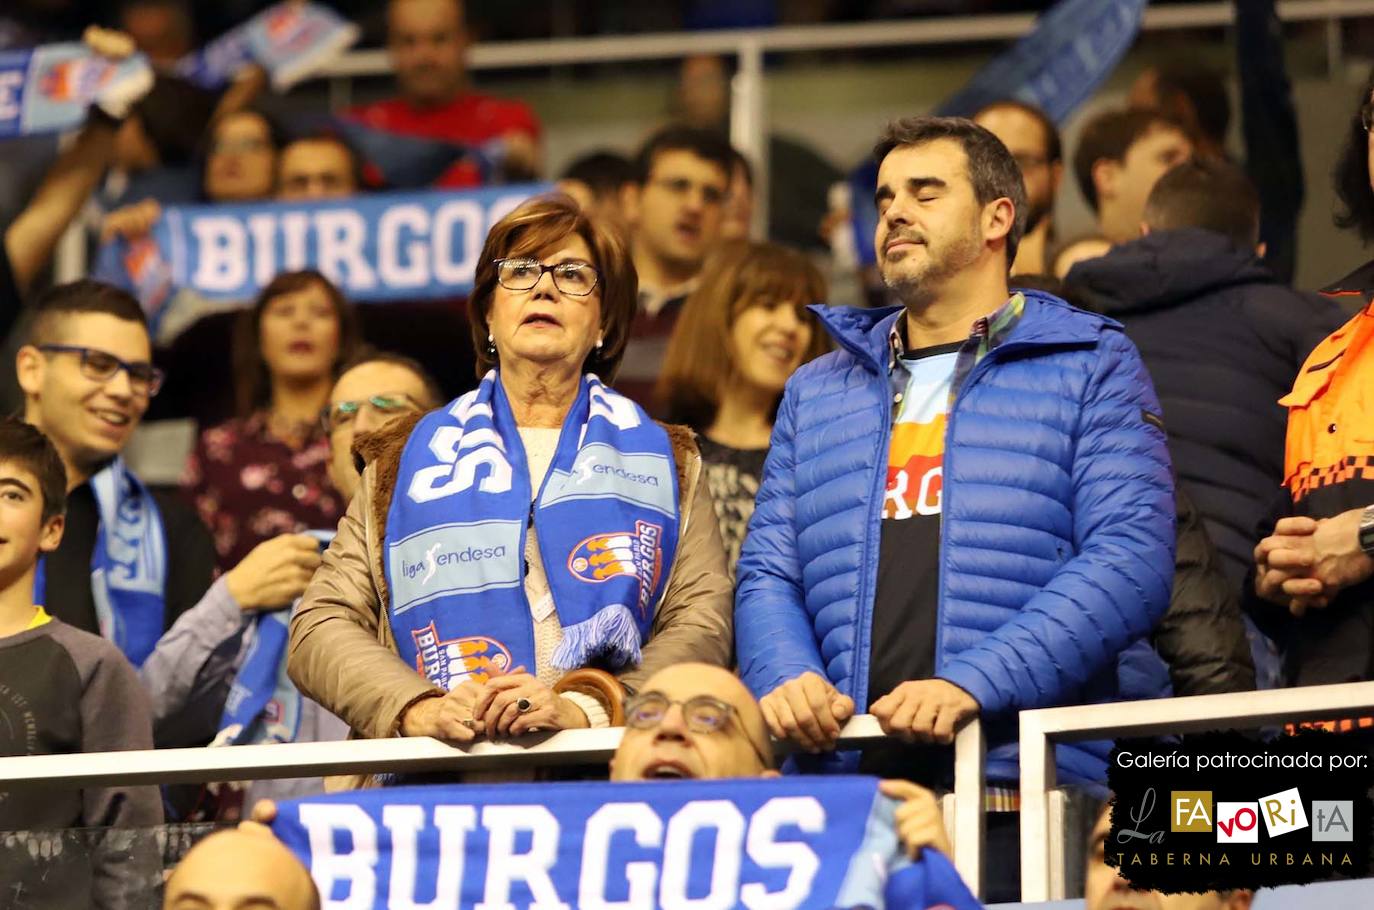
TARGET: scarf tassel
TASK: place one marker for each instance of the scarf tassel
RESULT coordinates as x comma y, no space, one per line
611,636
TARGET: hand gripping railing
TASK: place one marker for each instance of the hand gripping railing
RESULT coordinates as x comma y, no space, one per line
1042,829
963,812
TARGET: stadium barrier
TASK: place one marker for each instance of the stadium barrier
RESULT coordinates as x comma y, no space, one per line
1042,806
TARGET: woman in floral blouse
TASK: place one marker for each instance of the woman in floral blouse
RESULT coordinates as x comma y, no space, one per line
264,472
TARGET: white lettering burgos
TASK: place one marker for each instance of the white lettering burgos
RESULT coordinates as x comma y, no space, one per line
414,246
658,881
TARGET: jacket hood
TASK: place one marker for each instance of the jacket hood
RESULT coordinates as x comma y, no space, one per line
1047,320
1161,270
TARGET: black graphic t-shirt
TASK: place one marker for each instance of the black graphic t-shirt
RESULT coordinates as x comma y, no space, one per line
732,476
907,595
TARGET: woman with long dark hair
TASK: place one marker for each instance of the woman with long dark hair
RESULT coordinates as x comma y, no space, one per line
263,473
741,334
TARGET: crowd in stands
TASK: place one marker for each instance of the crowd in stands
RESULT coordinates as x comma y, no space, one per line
645,476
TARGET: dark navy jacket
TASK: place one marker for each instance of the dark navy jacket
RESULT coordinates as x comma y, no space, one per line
1223,341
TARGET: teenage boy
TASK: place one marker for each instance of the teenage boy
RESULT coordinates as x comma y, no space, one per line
62,691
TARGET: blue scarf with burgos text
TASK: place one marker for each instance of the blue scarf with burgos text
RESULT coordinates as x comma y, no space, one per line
376,248
815,842
606,519
128,564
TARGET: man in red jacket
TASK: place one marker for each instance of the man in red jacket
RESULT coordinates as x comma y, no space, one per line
428,41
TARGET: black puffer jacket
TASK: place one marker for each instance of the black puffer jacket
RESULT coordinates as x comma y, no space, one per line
1202,636
1223,341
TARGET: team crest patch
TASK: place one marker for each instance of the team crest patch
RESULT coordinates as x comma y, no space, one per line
636,553
455,661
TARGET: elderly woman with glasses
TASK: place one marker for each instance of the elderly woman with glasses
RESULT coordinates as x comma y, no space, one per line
527,555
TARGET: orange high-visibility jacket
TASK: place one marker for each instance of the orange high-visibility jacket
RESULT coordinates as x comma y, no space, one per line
1331,412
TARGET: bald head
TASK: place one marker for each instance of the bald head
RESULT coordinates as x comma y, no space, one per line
235,869
736,749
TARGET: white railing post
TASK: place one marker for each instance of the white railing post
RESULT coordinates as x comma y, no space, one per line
749,125
970,766
1037,780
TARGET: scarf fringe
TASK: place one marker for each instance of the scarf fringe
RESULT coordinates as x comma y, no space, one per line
611,636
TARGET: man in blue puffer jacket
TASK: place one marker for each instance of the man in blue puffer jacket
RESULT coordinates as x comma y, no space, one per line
968,508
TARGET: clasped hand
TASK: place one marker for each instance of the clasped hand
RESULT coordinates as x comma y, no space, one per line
1306,562
492,709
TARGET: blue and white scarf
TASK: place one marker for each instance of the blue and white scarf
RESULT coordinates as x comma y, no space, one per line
812,842
606,519
128,564
264,705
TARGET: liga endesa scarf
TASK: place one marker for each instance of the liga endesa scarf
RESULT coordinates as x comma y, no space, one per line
812,843
128,564
606,519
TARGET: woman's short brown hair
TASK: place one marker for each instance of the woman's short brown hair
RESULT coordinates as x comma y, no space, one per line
537,225
252,384
735,277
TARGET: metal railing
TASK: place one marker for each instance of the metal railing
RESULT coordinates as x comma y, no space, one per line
1042,828
962,809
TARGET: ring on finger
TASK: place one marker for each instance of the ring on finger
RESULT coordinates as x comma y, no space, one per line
523,705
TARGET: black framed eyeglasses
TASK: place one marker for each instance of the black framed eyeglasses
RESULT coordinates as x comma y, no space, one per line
577,279
389,404
101,366
702,714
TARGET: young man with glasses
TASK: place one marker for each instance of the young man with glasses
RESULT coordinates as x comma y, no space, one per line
134,564
675,209
131,560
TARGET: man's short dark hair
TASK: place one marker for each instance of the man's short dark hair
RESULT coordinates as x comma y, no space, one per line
25,445
78,298
603,172
1109,136
1204,193
707,145
372,355
991,168
1054,146
362,178
1205,89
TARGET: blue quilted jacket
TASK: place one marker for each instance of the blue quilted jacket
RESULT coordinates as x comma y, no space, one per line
1057,525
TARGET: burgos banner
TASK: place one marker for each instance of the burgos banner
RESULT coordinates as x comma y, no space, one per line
376,247
785,842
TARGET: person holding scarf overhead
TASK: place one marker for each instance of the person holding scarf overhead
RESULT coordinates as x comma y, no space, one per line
506,554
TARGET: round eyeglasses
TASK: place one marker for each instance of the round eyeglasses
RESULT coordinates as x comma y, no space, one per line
576,279
702,714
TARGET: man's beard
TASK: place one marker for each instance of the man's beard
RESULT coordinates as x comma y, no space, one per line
943,260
